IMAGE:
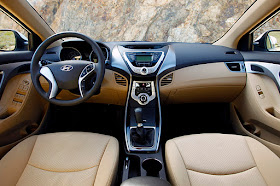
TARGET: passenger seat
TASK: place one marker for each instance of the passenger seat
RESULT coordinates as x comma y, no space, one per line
220,159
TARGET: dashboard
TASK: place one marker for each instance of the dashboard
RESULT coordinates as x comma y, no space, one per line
181,72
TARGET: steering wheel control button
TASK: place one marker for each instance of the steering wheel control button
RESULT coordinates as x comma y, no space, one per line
144,71
89,68
84,73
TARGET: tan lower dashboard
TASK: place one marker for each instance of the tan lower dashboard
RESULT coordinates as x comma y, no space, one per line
212,82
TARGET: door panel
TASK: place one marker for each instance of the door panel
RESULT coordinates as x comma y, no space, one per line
258,110
21,111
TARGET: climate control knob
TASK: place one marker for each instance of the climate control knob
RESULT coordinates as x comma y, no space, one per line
143,98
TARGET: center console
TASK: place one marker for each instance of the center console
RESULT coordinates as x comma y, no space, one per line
142,122
142,125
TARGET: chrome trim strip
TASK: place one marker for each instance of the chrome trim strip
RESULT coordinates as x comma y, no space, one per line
117,60
82,78
125,113
47,73
169,61
271,70
159,112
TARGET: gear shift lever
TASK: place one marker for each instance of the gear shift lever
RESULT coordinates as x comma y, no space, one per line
140,133
141,137
138,116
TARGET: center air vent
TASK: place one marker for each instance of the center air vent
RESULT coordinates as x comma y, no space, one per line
121,80
166,80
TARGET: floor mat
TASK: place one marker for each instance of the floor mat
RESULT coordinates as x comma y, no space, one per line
97,118
185,119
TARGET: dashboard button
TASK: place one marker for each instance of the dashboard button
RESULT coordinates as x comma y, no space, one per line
144,71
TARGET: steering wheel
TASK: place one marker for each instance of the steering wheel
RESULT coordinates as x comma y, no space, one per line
68,74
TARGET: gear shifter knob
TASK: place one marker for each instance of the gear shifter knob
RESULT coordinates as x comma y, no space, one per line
138,116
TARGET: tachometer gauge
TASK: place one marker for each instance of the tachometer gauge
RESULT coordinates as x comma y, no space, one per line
70,53
93,56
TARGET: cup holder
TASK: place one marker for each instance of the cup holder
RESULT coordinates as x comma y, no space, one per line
152,166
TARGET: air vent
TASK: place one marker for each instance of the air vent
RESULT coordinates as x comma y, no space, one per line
166,80
256,68
24,68
234,66
230,52
143,46
121,80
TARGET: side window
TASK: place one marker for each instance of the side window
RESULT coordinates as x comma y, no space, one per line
12,36
267,37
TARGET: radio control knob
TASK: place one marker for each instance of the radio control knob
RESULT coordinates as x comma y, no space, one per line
144,71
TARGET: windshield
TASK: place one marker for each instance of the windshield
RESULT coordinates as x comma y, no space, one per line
202,21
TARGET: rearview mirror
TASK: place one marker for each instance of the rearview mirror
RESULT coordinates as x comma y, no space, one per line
11,40
268,41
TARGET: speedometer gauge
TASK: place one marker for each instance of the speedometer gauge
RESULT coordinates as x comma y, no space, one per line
70,53
93,57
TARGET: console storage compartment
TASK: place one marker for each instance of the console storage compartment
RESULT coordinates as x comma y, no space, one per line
144,164
145,180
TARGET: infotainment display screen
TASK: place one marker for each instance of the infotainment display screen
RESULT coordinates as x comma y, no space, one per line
143,58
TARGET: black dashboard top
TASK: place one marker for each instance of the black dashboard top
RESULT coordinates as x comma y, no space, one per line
184,54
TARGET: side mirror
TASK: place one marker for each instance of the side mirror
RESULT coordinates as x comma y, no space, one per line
11,40
273,40
268,41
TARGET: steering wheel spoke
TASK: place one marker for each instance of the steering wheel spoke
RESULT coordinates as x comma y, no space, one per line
47,73
44,62
86,72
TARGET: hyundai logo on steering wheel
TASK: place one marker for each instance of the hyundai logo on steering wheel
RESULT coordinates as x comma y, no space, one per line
66,68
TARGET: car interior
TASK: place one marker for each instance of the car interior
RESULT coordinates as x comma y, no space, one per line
79,111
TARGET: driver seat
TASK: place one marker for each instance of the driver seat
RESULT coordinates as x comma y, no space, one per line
66,158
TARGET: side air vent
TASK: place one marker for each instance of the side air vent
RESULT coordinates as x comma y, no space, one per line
166,80
256,68
24,68
236,66
121,80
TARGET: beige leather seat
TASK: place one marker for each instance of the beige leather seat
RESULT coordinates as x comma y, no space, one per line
67,158
220,159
